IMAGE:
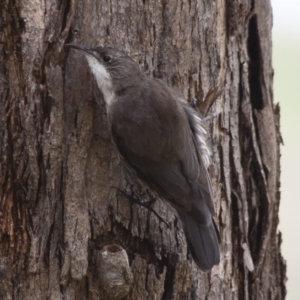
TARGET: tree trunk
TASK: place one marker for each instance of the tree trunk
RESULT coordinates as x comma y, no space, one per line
60,206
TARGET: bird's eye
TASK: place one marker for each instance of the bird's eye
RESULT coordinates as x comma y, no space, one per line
106,58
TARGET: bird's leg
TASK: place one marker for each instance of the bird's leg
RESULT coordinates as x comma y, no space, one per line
193,103
204,106
147,204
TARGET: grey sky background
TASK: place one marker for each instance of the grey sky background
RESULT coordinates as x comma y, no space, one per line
286,63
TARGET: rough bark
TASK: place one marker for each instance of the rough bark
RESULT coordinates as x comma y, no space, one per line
60,172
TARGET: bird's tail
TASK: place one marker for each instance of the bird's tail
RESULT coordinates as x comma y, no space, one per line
203,242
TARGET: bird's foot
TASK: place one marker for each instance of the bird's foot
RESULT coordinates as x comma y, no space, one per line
204,106
147,204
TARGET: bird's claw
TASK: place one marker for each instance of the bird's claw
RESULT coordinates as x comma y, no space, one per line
147,204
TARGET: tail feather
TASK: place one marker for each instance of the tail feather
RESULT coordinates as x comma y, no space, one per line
203,242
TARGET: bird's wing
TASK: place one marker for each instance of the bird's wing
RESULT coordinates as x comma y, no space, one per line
204,182
163,153
165,177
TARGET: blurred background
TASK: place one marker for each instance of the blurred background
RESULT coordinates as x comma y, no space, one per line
286,63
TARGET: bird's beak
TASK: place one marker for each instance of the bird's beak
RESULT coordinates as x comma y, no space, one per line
80,47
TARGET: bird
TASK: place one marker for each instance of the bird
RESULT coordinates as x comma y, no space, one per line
161,138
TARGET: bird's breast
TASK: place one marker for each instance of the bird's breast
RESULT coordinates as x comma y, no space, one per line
147,131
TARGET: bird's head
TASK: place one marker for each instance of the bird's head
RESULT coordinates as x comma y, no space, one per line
113,69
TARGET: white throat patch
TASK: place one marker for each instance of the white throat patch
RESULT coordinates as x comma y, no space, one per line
103,79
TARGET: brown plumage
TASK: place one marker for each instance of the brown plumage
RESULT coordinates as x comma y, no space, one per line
160,138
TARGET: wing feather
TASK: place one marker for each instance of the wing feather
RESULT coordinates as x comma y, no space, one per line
161,148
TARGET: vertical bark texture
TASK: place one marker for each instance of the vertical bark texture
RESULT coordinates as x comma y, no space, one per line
59,171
